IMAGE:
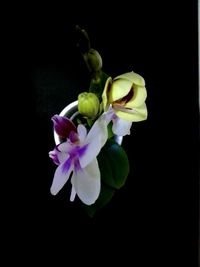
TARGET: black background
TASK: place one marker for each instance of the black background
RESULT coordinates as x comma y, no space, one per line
153,218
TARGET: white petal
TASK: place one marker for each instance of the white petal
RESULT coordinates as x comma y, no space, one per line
108,115
60,177
87,183
64,147
63,150
95,140
62,157
93,149
99,128
82,132
73,194
121,127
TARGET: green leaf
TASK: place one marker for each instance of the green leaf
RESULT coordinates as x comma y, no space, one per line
113,164
105,196
110,132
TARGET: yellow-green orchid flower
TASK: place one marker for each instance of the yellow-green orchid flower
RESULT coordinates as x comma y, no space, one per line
126,94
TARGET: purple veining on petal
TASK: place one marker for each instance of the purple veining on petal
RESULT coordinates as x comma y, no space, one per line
114,117
54,156
78,151
67,165
82,150
77,166
63,126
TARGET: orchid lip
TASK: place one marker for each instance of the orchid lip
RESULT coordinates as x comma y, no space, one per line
123,109
63,126
126,98
68,111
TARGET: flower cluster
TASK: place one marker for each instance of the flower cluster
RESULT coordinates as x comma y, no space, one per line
87,140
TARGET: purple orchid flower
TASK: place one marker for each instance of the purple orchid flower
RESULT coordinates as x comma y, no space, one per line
78,156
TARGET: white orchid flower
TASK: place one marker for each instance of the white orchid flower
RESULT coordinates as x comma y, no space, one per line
78,156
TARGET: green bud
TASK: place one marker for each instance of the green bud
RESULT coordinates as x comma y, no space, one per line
88,105
93,60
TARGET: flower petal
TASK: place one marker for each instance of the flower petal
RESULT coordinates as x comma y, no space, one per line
99,128
73,193
62,157
119,89
121,127
60,153
63,150
82,132
105,93
64,147
132,77
87,183
95,140
61,176
139,97
63,126
54,156
138,114
108,115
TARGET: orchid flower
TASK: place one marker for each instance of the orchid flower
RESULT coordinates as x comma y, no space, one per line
78,156
124,101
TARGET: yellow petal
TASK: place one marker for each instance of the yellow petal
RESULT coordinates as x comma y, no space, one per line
105,94
132,77
139,97
140,114
119,89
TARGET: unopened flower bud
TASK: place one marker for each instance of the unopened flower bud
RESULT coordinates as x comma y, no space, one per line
94,60
88,105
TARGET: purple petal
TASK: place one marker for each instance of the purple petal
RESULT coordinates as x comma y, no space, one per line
63,126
